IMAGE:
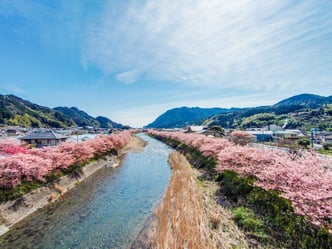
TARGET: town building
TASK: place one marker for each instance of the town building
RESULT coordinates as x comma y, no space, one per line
43,138
196,129
288,134
262,135
322,137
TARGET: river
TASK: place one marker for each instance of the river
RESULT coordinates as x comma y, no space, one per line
107,210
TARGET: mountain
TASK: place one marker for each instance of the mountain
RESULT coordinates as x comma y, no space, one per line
301,111
107,123
307,100
80,117
180,117
20,112
298,112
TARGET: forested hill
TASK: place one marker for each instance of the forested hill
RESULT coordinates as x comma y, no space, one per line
81,118
180,117
300,111
306,100
20,112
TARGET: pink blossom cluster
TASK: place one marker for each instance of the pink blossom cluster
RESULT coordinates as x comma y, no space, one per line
11,146
242,137
306,180
37,163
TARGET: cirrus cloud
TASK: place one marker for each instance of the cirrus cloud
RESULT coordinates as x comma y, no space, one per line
226,44
127,77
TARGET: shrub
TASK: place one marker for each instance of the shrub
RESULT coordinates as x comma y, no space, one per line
247,219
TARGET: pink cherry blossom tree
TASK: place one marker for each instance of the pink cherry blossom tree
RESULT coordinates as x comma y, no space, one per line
242,137
11,146
34,164
304,179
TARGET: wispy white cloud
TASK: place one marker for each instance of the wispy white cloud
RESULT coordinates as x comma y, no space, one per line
127,77
12,88
260,45
212,53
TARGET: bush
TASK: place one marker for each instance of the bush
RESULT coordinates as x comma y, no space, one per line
234,187
304,142
247,219
327,146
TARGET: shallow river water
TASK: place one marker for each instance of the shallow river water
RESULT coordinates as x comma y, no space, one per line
107,210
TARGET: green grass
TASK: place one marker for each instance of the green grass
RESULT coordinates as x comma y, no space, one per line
250,222
7,194
325,152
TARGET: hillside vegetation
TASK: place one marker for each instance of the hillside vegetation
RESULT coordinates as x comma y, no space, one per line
301,118
307,100
80,117
19,112
300,111
180,117
16,111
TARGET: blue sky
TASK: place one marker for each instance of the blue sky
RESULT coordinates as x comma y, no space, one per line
133,60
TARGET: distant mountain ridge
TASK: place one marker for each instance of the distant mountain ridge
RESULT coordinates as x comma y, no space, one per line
80,117
248,117
20,112
105,122
179,117
307,100
303,111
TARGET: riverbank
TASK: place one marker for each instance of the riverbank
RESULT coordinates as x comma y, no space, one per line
189,216
14,211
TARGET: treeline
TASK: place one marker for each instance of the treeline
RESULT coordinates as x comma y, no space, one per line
294,116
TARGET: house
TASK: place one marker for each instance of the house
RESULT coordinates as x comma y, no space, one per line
288,134
273,128
43,138
323,137
214,131
195,129
80,138
328,139
262,135
12,132
64,132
